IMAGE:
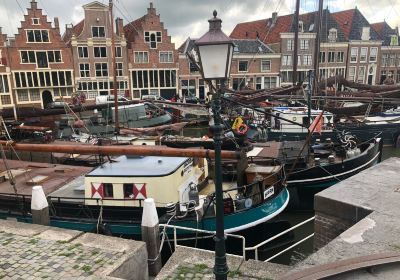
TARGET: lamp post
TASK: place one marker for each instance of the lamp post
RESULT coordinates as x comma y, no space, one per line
215,51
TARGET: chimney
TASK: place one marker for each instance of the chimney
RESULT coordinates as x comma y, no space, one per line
33,5
56,23
274,17
119,26
365,35
151,10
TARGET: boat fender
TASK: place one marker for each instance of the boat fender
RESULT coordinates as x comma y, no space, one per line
171,209
242,129
104,229
248,202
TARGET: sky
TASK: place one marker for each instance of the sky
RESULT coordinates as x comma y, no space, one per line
188,18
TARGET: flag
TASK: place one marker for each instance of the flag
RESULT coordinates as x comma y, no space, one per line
316,125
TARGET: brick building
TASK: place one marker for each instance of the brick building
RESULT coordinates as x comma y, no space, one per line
6,98
41,64
390,52
153,59
90,43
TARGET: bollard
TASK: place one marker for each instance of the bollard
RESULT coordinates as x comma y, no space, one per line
39,207
151,235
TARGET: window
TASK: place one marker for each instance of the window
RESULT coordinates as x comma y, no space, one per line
5,99
83,52
23,95
322,57
35,21
361,74
243,65
28,57
299,60
392,60
394,40
258,83
290,44
193,68
304,44
4,88
352,73
373,54
301,26
84,69
265,65
307,60
119,69
37,36
141,57
152,38
332,36
385,60
101,69
128,190
353,54
238,84
100,51
286,60
166,57
331,56
41,59
188,87
363,54
118,52
54,56
269,82
340,57
98,32
340,71
108,190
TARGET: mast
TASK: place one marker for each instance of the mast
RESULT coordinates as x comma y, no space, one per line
114,68
120,150
296,41
318,21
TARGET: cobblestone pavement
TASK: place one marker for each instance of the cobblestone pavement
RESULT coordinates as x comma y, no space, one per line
31,258
200,272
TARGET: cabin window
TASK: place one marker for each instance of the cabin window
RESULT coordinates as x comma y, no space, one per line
128,190
108,190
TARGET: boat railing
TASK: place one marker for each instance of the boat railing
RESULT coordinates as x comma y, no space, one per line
245,249
176,228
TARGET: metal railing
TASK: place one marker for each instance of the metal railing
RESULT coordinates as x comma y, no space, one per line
244,248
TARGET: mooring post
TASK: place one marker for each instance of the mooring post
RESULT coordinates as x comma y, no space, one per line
151,235
39,207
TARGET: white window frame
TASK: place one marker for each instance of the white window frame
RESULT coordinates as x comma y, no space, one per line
41,36
286,60
98,28
140,54
102,64
354,74
87,51
290,44
267,69
307,60
247,66
33,21
119,69
361,80
169,54
340,55
100,47
373,54
353,55
116,52
331,54
147,38
86,71
364,54
304,44
332,35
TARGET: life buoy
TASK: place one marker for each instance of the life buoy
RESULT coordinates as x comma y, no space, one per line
242,129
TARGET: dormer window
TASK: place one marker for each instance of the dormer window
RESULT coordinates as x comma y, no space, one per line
301,26
394,40
332,36
35,21
365,35
152,38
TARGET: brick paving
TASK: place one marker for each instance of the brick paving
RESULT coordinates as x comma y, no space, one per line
203,272
32,258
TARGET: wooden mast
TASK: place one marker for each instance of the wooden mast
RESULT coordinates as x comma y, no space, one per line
114,68
161,151
296,41
318,21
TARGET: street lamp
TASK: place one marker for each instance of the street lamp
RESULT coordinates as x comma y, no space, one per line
215,51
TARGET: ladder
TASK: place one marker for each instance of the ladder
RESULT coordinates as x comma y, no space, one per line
368,110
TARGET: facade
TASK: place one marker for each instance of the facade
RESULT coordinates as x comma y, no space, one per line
91,44
390,53
254,65
41,64
6,98
153,59
364,47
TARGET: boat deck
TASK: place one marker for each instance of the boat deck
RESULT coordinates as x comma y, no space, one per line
28,174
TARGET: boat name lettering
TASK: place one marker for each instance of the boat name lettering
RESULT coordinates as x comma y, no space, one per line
269,192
